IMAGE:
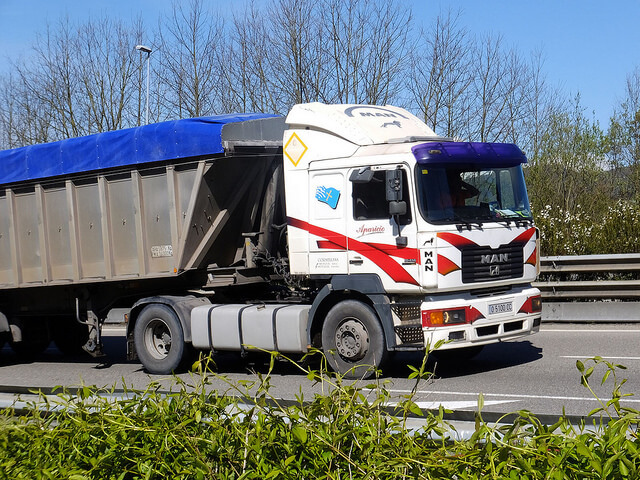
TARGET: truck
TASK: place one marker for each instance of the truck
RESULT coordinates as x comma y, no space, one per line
353,229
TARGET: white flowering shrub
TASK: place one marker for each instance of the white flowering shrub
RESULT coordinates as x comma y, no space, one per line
614,230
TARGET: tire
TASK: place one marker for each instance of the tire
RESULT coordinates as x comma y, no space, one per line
159,339
353,340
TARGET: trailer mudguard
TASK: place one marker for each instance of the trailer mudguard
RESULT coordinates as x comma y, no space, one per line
368,285
181,305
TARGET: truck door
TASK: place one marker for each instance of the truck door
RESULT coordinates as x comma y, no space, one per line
327,223
379,242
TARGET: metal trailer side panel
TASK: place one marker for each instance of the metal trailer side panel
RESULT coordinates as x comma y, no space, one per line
144,223
6,245
138,221
104,227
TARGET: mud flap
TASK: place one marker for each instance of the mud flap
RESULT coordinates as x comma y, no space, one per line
94,344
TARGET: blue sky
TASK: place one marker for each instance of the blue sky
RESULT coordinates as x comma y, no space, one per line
589,46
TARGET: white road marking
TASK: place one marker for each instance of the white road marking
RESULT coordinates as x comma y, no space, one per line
457,404
508,395
601,356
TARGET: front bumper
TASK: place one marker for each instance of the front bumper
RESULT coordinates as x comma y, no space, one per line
498,321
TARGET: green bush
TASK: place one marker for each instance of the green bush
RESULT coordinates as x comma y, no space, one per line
614,230
347,432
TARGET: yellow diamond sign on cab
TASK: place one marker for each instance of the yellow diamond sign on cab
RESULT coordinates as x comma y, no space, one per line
295,149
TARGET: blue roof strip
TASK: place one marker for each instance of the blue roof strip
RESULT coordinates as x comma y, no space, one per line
469,153
132,146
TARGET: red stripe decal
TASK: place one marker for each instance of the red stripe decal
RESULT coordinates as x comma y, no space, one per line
456,240
532,258
405,253
329,245
459,241
370,251
446,266
525,236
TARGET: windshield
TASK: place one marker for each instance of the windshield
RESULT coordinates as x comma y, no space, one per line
472,193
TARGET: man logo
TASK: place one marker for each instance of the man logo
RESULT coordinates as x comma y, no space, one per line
494,270
495,258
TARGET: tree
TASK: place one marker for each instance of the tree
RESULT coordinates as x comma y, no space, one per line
473,88
570,171
106,68
247,80
191,43
332,51
439,76
624,138
367,46
79,82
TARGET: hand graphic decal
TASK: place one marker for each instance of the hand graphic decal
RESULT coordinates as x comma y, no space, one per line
330,196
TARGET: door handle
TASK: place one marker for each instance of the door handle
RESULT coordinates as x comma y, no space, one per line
356,261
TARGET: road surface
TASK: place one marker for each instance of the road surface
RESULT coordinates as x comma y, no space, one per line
537,373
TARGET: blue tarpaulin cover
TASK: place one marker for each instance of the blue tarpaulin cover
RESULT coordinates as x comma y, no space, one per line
149,143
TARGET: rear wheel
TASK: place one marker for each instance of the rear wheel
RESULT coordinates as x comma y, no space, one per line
159,339
353,340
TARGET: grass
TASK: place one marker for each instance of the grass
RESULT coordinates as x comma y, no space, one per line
347,432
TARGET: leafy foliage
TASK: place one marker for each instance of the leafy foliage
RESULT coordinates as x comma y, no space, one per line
351,431
615,229
580,191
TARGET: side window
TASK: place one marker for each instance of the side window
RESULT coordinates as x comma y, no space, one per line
370,202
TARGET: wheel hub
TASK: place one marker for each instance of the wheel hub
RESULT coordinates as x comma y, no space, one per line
352,340
158,339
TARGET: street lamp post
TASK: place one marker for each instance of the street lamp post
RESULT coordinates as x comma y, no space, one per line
147,50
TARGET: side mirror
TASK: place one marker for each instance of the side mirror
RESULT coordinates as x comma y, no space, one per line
363,175
397,208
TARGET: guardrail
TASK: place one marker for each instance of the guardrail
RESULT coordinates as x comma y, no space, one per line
568,296
573,266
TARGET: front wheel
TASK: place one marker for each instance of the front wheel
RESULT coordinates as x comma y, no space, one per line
353,340
159,339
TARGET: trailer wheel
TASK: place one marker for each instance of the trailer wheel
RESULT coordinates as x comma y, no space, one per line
353,340
159,339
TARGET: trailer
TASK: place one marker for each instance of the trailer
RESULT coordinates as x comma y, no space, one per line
239,232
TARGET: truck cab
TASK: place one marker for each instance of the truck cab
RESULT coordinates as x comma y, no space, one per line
435,236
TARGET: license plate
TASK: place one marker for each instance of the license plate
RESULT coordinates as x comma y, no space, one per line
496,308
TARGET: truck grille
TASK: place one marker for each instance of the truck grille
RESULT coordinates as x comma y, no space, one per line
484,264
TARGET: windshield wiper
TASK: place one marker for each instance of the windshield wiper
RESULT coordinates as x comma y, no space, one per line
524,221
462,223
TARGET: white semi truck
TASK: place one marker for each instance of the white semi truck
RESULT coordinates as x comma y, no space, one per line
351,228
